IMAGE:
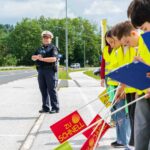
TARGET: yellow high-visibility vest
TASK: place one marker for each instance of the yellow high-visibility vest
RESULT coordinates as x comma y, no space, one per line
144,53
116,59
128,57
112,62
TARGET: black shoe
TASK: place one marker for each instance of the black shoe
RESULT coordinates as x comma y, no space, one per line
43,111
113,143
117,145
54,111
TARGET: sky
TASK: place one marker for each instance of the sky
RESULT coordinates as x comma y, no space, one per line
12,11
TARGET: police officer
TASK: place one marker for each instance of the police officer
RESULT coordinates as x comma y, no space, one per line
46,64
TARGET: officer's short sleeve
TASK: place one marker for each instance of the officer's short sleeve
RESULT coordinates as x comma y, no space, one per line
55,52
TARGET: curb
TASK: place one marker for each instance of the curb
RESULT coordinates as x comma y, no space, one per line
32,134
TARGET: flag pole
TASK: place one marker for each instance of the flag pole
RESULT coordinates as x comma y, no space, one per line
116,111
96,99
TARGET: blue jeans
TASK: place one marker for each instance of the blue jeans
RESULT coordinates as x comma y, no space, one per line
123,130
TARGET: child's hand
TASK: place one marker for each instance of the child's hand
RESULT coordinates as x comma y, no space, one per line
147,93
148,75
103,83
120,94
120,97
138,58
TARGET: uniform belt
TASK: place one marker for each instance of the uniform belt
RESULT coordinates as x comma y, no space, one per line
44,67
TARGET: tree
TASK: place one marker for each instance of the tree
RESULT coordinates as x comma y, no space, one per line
20,42
3,44
24,40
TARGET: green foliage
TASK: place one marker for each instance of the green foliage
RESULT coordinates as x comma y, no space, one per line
4,33
18,43
10,60
24,39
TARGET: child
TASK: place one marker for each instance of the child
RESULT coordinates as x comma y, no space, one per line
122,122
106,51
128,56
139,12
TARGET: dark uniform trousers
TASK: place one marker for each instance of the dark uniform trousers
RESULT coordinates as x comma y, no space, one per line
47,83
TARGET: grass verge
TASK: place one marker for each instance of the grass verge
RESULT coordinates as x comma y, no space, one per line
90,73
63,74
16,68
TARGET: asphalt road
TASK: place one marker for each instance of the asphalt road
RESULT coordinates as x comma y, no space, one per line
9,76
20,101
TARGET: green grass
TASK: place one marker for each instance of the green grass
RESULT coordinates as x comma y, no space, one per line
11,69
90,73
63,75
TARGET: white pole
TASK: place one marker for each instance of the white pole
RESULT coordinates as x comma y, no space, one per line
66,40
57,45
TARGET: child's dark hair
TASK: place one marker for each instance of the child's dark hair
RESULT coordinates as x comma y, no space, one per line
139,12
122,29
114,30
108,35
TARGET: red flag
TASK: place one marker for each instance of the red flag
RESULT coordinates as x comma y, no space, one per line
106,127
91,141
88,132
68,127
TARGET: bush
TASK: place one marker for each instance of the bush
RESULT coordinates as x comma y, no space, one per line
9,60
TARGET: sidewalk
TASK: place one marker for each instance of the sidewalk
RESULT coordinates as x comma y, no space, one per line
82,89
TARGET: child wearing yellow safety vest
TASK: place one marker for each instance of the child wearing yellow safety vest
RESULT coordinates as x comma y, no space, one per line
112,62
139,12
129,54
104,63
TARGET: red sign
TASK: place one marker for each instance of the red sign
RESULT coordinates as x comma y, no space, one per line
91,141
88,132
68,127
